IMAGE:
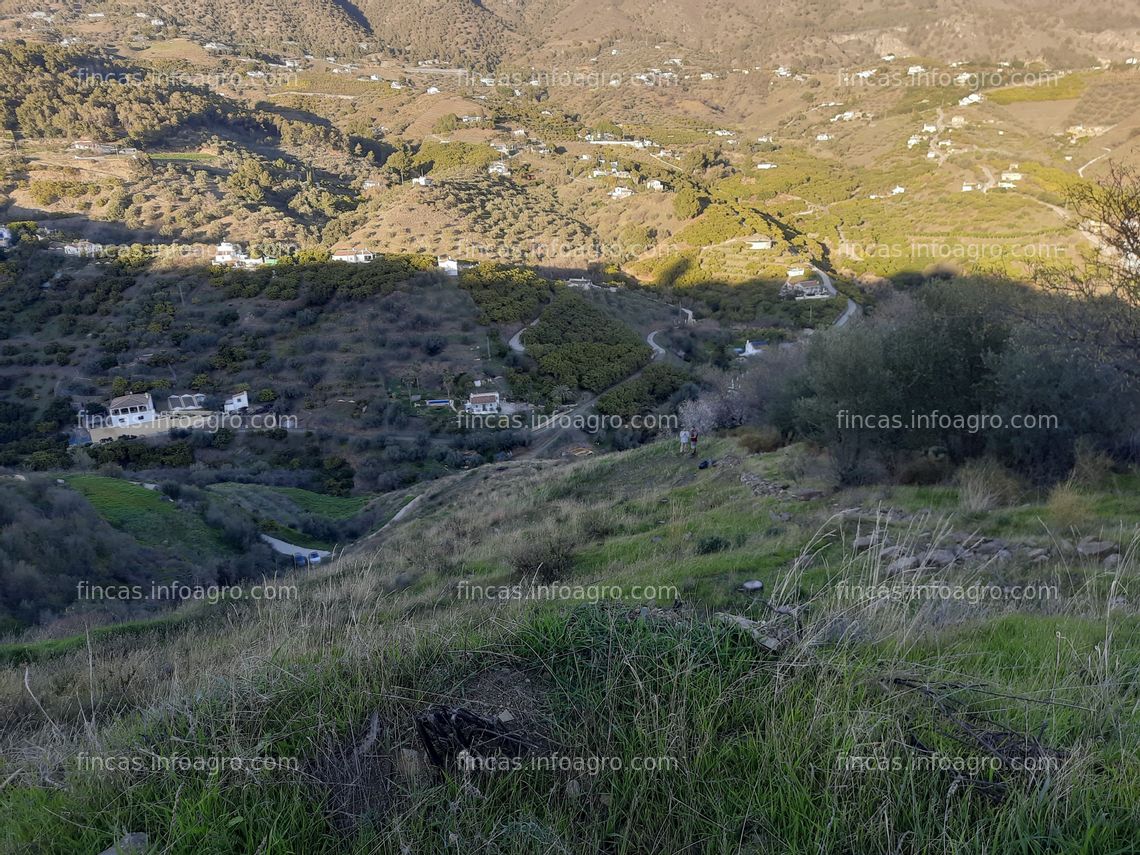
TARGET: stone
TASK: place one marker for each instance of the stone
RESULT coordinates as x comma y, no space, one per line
1112,561
573,789
940,558
1095,548
862,544
753,586
902,565
890,553
130,844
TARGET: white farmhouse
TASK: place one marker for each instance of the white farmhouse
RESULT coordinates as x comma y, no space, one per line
353,256
498,168
481,403
621,193
130,410
655,184
422,181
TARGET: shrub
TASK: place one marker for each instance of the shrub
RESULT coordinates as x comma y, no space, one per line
760,439
1068,508
985,484
547,557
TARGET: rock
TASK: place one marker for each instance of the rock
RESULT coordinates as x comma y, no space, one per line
573,789
940,558
753,586
988,547
780,516
1112,561
1002,556
506,716
130,844
808,495
1095,548
902,565
890,553
862,544
1038,554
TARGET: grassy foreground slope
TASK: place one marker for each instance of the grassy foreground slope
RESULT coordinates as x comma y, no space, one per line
805,731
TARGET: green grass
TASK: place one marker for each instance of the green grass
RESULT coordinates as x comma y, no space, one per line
147,515
753,743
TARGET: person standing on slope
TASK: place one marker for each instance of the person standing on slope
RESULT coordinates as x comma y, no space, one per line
684,441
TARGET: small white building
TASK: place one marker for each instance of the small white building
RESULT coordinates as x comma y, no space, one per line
498,168
423,181
449,266
898,190
822,137
353,256
655,184
761,243
482,403
621,193
753,348
1011,176
236,402
129,410
967,187
5,237
766,165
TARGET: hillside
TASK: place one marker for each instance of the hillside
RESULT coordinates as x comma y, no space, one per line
804,698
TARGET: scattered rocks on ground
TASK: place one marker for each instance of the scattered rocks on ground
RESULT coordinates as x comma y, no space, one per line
752,586
1089,548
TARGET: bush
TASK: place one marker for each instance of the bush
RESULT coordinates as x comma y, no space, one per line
985,484
547,557
760,439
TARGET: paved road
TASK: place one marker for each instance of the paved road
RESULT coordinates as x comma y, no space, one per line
650,339
280,546
516,340
852,307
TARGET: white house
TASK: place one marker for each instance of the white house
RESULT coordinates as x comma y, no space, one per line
83,249
128,410
822,137
967,187
498,168
578,282
236,403
752,348
5,237
483,402
793,272
655,184
353,256
929,128
621,193
228,254
423,181
1011,176
898,190
449,266
760,243
766,165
